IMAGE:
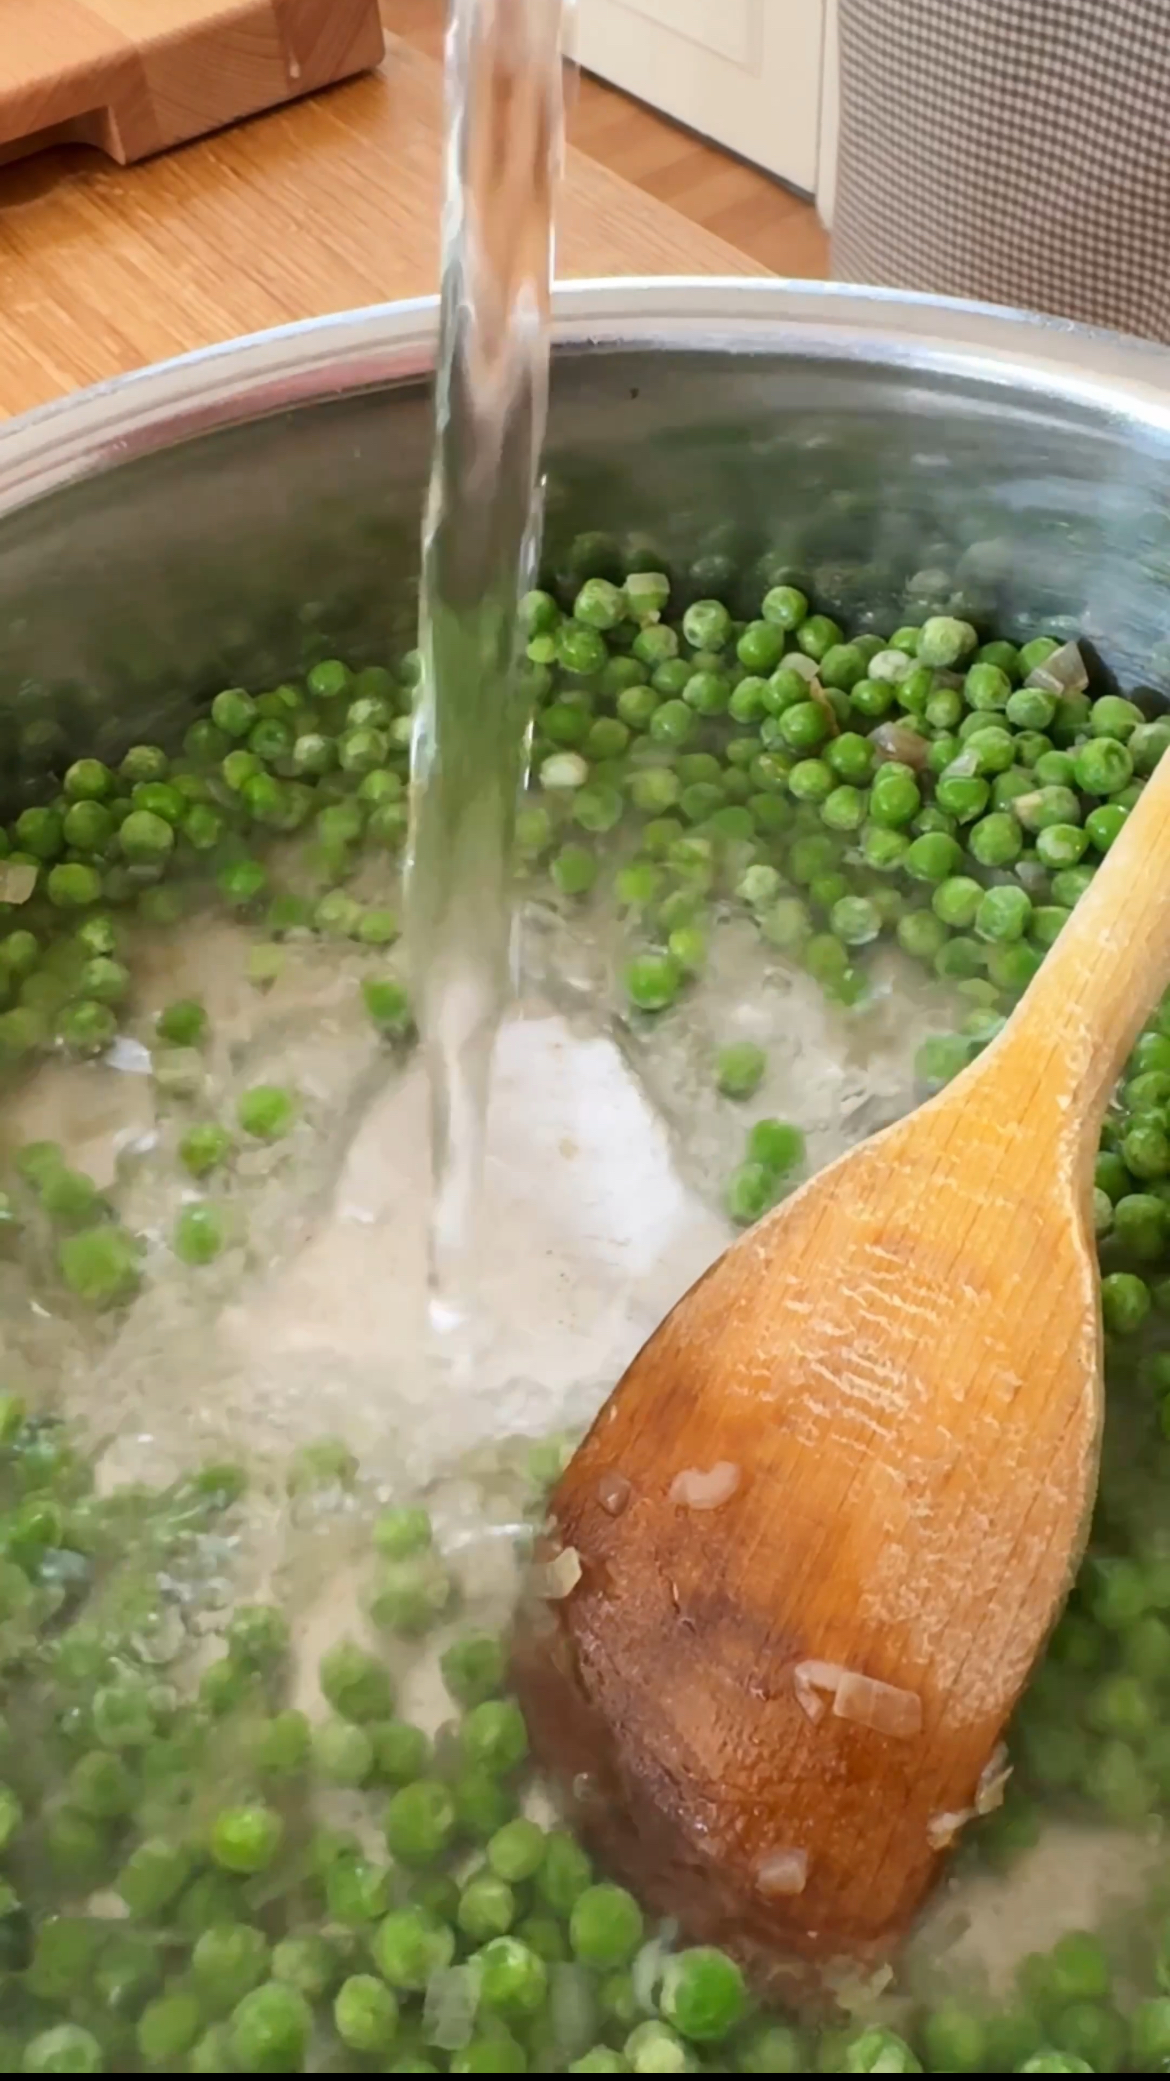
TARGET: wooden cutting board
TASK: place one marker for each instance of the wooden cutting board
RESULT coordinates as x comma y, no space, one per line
134,77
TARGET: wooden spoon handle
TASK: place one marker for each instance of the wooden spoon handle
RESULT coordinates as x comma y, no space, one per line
1101,979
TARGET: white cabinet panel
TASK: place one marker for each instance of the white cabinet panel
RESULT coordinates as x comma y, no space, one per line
729,31
746,73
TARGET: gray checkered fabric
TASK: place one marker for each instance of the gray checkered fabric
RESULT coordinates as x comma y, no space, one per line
1011,150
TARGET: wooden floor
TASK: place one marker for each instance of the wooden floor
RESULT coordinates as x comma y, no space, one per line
740,204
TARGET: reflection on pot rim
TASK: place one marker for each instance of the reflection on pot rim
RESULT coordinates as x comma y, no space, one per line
45,449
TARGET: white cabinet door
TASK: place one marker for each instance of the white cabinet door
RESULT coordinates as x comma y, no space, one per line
744,72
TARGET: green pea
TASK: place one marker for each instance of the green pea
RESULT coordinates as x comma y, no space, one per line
845,809
420,1822
580,649
246,1838
1111,716
493,1736
65,2048
841,666
415,1586
152,1876
1039,809
605,1927
761,646
943,640
855,920
786,606
145,838
1149,2035
895,797
963,796
513,1981
1102,766
1147,743
267,1112
987,688
934,857
940,1058
1004,913
40,833
653,789
409,1946
1104,823
652,982
599,604
270,2028
703,1994
954,2040
100,1265
995,841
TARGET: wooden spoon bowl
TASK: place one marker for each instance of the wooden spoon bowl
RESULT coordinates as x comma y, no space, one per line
825,1523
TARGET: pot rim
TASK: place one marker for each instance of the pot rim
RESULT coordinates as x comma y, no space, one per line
85,432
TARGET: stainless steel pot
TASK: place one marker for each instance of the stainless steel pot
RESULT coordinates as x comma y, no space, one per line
223,516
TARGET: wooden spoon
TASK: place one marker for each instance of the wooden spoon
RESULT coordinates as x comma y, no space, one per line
819,1533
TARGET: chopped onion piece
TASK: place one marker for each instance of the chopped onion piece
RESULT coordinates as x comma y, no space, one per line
699,1490
572,2011
992,1781
809,1679
18,879
963,766
1030,874
857,1993
817,693
783,1874
1024,805
891,666
128,1054
614,1492
941,1829
649,1967
884,1707
864,1699
796,661
452,1998
562,1574
896,741
1062,673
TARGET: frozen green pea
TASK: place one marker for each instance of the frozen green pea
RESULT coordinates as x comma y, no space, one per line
515,1852
267,1112
246,1838
943,640
409,1946
879,2051
652,982
703,1993
1147,744
493,1736
420,1822
411,1594
201,1233
740,1069
473,1667
269,2030
101,1265
513,1980
1113,717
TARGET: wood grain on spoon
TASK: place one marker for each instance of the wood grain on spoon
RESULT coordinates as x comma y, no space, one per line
863,1446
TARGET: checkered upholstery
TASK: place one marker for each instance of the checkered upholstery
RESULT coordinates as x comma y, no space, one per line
1012,150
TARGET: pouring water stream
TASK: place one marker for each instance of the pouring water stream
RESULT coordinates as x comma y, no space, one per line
480,544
